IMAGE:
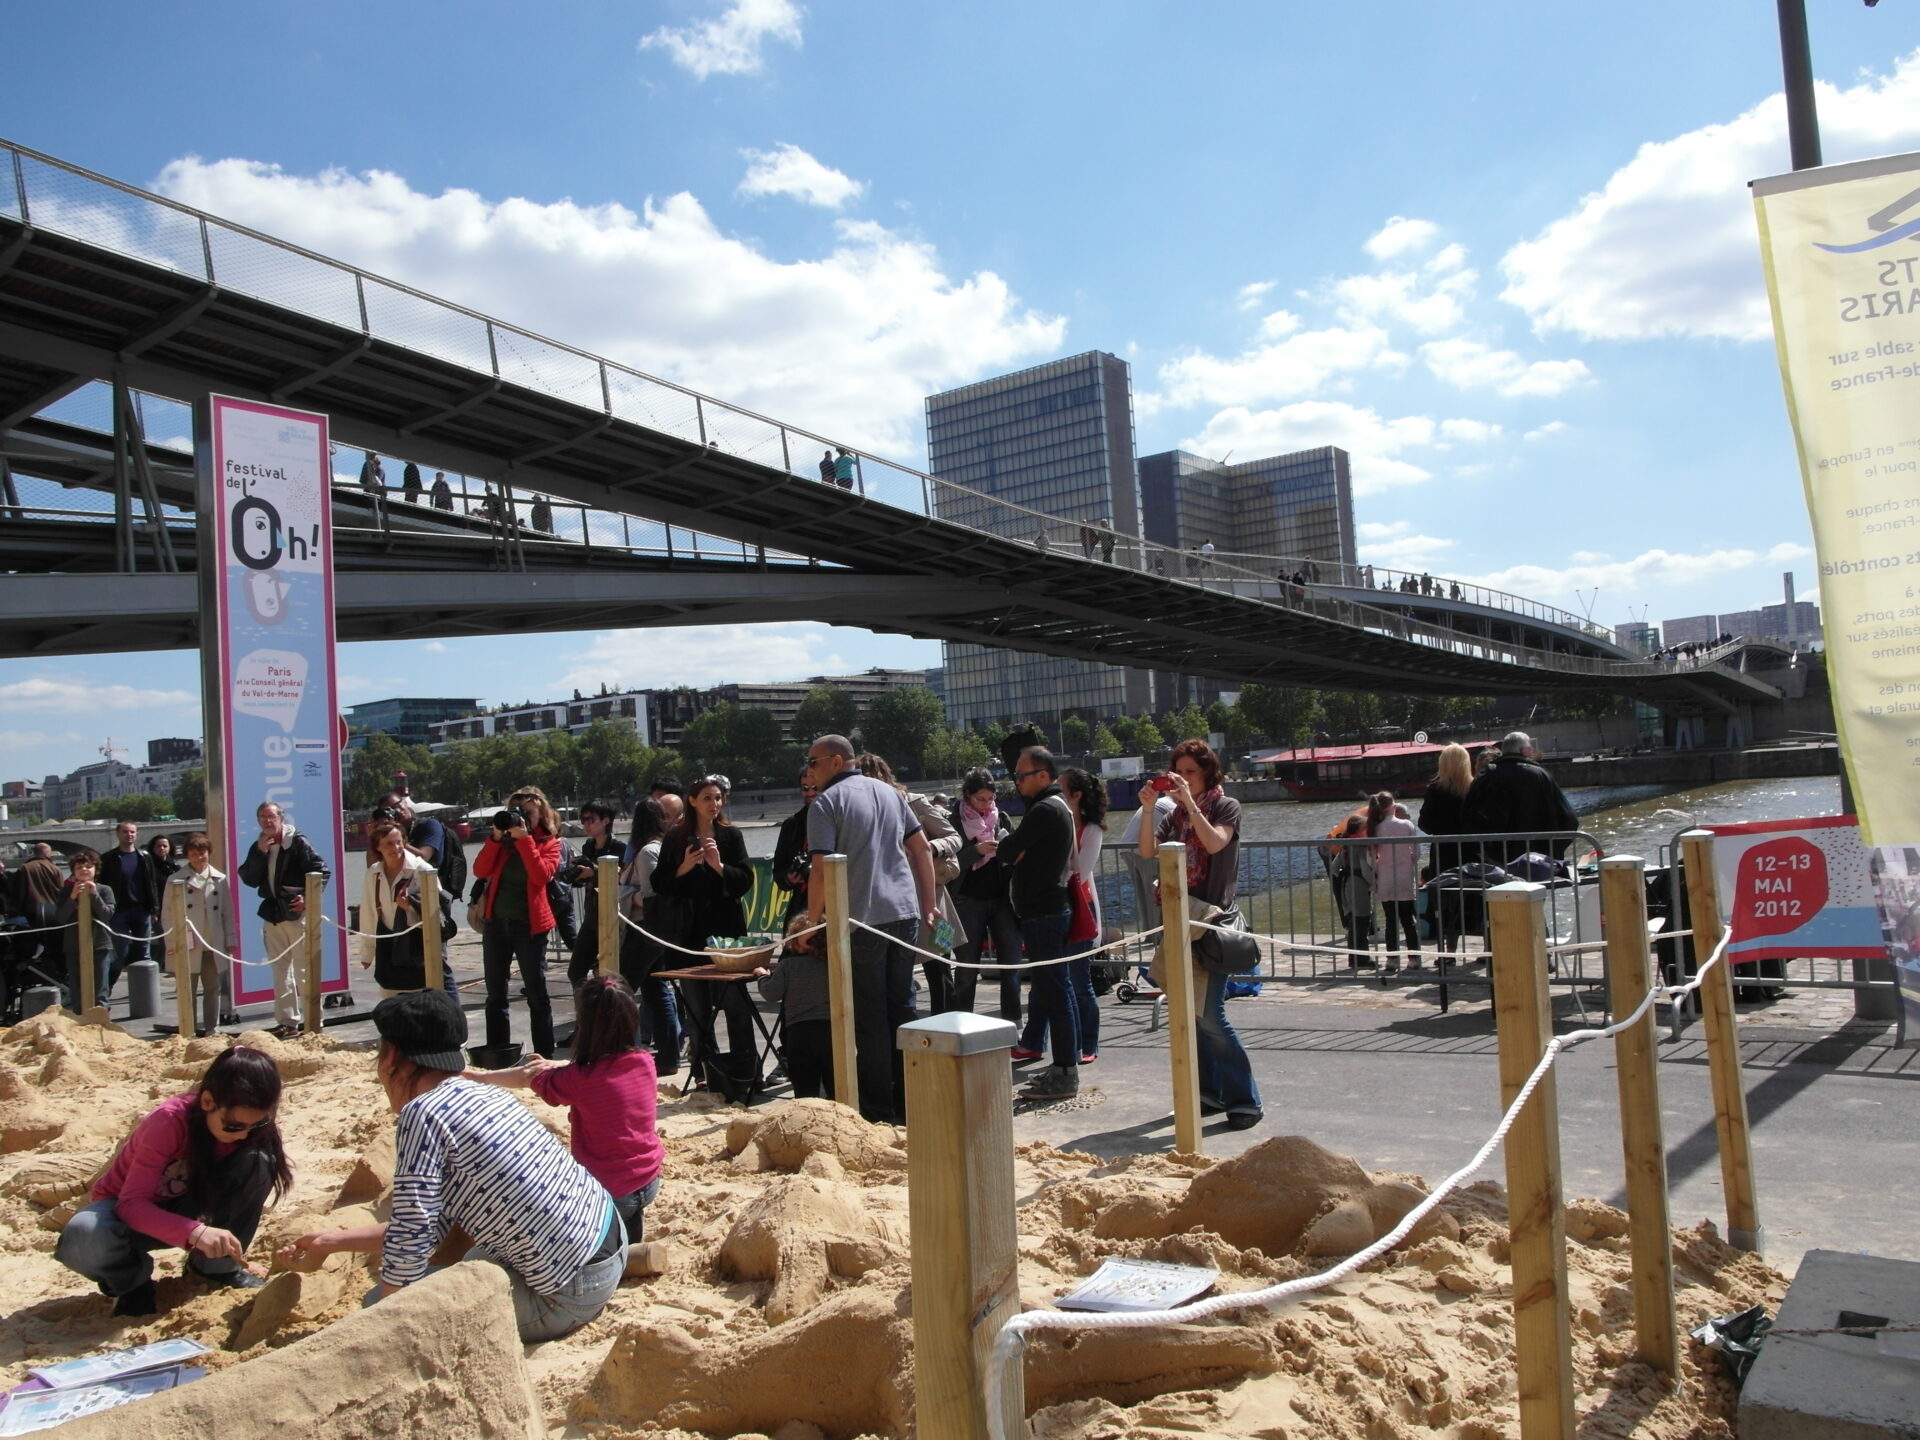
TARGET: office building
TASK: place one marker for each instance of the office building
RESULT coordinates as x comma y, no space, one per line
174,750
1297,506
1056,440
409,720
1690,630
1638,636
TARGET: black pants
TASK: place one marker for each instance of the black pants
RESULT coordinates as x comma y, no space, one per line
1401,921
659,1011
583,960
981,918
734,1071
882,1003
98,1244
505,943
809,1057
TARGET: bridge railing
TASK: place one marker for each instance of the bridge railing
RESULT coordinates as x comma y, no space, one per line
51,194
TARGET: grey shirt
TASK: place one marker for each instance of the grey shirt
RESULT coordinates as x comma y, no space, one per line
868,822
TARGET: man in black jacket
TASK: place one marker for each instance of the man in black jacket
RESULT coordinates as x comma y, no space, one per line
1037,859
1514,796
276,869
130,872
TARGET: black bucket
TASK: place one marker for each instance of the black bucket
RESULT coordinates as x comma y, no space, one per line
494,1057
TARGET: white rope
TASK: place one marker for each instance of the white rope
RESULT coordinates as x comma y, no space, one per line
42,930
638,929
206,944
1011,1343
1119,944
364,934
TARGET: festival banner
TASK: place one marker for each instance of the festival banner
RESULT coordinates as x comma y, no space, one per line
1841,246
272,712
1793,889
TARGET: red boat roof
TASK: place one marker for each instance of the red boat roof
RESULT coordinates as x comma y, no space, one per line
1403,749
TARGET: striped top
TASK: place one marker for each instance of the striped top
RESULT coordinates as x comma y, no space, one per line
471,1155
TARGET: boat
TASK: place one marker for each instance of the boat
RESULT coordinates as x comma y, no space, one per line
1344,772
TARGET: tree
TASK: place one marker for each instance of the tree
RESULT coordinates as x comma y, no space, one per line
951,753
1355,714
1189,723
190,795
731,740
1137,734
126,807
371,768
826,710
900,723
1285,715
611,763
1075,735
1105,743
1230,721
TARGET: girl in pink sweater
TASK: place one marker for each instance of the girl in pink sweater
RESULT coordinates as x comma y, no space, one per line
194,1174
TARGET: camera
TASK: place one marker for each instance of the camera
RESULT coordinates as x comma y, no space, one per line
385,812
506,819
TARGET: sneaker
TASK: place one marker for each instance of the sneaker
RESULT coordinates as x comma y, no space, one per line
229,1017
1244,1119
1020,1055
1211,1107
1056,1082
141,1300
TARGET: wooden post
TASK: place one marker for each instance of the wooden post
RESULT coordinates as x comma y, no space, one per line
430,944
311,926
606,884
846,1070
83,947
1623,897
1542,1315
960,1205
1176,951
1723,1047
173,912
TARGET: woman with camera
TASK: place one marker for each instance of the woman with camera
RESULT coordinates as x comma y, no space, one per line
390,911
705,873
517,862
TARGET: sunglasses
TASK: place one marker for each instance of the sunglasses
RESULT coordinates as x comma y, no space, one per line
230,1128
1023,774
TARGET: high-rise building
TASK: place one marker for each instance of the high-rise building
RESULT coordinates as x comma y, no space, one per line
1690,629
1056,440
407,719
1638,636
1298,506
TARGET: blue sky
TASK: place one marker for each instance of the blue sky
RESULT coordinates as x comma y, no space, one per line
1503,254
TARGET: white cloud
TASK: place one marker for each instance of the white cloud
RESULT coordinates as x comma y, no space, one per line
1546,431
58,694
1453,257
1297,363
1406,552
1398,295
1374,442
789,170
1399,235
1649,569
1470,365
1381,530
435,647
848,342
1248,297
705,655
1667,245
731,43
1472,432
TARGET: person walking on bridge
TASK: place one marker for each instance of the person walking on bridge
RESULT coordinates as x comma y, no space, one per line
826,467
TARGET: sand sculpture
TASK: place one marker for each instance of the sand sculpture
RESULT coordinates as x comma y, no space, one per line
776,1300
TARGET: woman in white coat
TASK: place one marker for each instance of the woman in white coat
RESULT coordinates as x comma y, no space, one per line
214,933
390,939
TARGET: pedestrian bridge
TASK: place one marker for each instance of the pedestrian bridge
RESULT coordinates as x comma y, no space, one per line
666,507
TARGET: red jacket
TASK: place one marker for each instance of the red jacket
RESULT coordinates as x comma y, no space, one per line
542,859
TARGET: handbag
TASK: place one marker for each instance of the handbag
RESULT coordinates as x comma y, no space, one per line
1233,953
1081,924
477,908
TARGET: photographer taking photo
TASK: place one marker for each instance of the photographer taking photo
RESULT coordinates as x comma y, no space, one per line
521,855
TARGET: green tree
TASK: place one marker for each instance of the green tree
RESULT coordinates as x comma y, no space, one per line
456,779
190,795
1231,721
611,763
1105,743
732,740
1189,723
951,753
1353,714
371,768
1075,735
899,724
1138,735
126,807
826,710
1285,715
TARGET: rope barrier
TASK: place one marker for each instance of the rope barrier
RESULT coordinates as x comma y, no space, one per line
1119,944
206,944
1011,1342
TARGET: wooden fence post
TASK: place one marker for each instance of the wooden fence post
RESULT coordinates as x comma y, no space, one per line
1176,964
1542,1315
432,951
606,884
83,947
1623,897
1723,1046
173,913
846,1070
311,926
960,1205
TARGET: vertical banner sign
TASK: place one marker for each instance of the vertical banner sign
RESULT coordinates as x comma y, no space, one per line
1841,246
267,583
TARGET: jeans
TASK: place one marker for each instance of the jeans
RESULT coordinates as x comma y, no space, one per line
98,1244
102,969
1226,1074
980,918
882,1003
129,920
504,943
659,1013
1044,938
1086,1005
632,1209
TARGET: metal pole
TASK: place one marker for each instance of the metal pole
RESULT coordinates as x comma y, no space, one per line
1796,67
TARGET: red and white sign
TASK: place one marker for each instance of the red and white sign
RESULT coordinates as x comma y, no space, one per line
1794,889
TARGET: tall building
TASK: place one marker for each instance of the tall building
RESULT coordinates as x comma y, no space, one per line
1298,506
1638,636
1056,439
408,720
1690,629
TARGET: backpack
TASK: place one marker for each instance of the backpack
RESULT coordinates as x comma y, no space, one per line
451,863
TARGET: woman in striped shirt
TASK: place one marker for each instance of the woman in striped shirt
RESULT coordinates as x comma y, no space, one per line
474,1156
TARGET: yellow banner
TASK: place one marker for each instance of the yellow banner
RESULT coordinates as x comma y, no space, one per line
1842,251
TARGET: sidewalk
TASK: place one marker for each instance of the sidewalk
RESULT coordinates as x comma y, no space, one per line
1383,1076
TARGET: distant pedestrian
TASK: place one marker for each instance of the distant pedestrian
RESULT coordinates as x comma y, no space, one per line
1206,557
211,930
518,860
1397,876
276,869
41,890
373,475
596,818
844,470
83,870
442,491
542,514
135,880
1089,801
410,484
641,955
1107,539
1040,540
828,475
705,873
164,861
1038,858
1443,811
1517,797
390,941
980,893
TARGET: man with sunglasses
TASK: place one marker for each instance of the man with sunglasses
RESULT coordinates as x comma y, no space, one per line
1036,859
890,886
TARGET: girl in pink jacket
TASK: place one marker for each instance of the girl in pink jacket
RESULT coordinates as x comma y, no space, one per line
1396,878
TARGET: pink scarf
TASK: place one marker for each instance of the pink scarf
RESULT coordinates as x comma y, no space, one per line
977,827
1179,827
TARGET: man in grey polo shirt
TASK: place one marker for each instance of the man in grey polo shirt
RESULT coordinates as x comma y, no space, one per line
889,886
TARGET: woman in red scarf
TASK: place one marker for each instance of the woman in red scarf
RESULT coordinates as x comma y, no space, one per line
1207,822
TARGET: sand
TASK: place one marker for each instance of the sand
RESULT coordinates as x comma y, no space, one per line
782,1304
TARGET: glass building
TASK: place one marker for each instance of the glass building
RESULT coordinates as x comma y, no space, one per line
1297,506
1057,440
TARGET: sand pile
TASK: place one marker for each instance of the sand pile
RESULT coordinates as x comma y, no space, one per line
783,1307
